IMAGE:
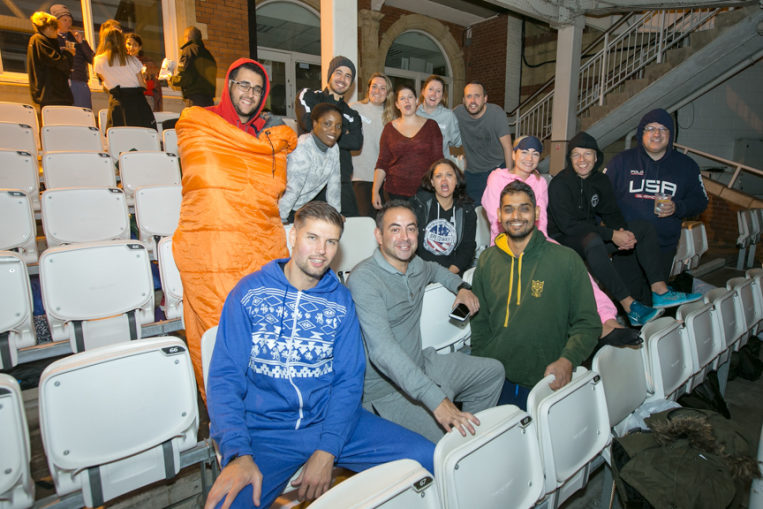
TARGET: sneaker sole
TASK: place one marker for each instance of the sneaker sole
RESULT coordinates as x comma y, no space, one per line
674,304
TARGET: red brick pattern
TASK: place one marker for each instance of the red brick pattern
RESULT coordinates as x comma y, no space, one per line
486,57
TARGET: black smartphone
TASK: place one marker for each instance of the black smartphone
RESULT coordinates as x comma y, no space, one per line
460,313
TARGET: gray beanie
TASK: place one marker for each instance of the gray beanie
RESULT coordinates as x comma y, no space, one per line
59,10
339,61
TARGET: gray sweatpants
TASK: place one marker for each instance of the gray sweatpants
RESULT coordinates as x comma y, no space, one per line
476,382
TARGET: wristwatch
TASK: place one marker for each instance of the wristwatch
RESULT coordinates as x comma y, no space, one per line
464,286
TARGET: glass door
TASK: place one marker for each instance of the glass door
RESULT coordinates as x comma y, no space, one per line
289,73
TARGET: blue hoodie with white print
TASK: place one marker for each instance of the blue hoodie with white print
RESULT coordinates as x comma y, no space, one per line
285,359
636,178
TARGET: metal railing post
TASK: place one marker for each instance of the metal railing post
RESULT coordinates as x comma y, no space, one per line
661,41
603,77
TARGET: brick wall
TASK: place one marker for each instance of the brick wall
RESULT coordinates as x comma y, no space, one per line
720,220
485,57
228,36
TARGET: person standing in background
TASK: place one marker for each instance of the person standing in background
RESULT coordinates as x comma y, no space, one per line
83,55
433,103
197,71
375,111
150,71
47,64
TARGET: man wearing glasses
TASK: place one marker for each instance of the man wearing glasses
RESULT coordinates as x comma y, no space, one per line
340,77
656,183
234,170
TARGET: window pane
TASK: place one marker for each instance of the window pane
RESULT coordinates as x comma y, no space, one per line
276,102
415,51
288,27
16,29
141,16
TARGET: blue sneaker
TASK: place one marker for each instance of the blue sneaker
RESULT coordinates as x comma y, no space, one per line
640,314
672,298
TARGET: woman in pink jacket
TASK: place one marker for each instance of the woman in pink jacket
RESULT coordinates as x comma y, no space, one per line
526,156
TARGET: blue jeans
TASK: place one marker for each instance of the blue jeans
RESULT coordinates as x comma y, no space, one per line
513,394
81,93
476,183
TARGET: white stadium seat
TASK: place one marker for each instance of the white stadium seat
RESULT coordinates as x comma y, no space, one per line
482,237
84,214
623,375
22,137
71,138
19,113
437,329
706,344
67,115
668,358
129,139
357,244
172,285
729,317
208,340
744,293
16,483
116,418
170,141
499,466
78,169
16,325
18,170
157,211
153,168
97,293
18,229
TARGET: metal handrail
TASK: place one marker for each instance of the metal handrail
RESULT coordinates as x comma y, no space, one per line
738,167
623,55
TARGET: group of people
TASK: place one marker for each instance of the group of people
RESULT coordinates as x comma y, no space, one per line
57,64
309,373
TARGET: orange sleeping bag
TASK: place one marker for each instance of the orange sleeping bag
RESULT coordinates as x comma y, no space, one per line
229,223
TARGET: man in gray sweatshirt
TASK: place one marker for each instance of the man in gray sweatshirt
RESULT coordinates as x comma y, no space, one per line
413,387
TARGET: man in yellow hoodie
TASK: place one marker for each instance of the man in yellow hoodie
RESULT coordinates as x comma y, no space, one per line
537,312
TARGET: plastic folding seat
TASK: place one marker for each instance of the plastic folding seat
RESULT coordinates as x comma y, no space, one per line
97,293
482,236
117,418
469,275
157,210
18,170
19,113
67,115
161,116
170,141
668,358
208,340
18,229
172,285
71,138
754,224
756,276
744,296
744,225
16,484
499,466
437,329
706,344
139,169
623,376
78,169
84,214
129,139
684,253
401,484
699,242
16,326
730,320
103,115
357,244
19,137
573,431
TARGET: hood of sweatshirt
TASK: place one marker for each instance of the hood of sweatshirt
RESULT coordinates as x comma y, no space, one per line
277,278
661,117
536,243
226,110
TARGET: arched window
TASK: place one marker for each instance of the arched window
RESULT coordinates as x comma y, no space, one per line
413,56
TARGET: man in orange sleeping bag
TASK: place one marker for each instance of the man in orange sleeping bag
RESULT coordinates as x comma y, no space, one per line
234,172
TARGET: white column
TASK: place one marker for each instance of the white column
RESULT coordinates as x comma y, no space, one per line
339,36
564,114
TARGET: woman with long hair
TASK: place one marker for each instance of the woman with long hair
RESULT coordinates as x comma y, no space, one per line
121,75
408,145
153,91
48,65
375,111
446,218
433,103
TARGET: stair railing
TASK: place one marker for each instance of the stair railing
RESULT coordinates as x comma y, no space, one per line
737,167
626,49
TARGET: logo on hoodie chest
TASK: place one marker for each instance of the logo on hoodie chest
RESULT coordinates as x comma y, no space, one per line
652,186
595,200
536,288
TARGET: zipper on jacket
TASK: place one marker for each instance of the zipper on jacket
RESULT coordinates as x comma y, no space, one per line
289,357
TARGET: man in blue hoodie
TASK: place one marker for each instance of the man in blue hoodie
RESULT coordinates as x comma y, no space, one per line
286,378
654,168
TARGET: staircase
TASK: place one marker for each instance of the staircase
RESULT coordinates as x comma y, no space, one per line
656,59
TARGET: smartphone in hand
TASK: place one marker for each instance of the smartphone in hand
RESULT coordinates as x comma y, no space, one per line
460,313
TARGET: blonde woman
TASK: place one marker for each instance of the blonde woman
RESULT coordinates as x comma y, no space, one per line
433,103
48,65
376,110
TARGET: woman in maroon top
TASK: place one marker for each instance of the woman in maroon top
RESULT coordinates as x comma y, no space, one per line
408,146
